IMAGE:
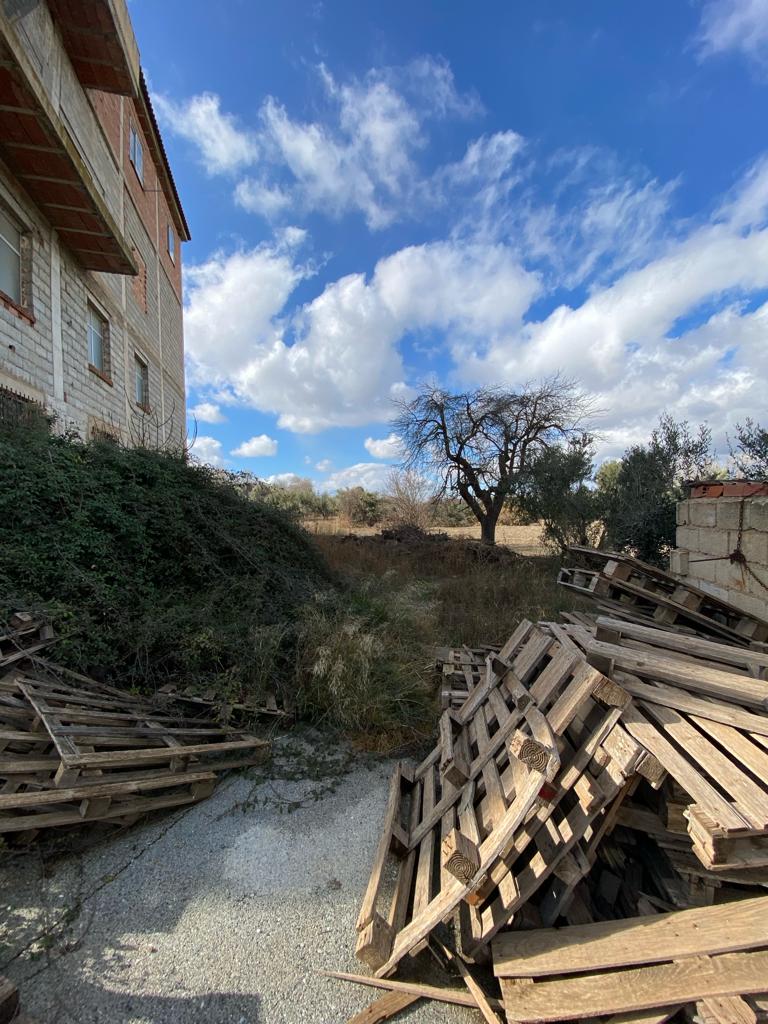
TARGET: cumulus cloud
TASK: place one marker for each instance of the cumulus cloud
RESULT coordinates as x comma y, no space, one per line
206,450
740,25
370,475
677,333
323,465
207,412
223,146
340,364
389,447
256,447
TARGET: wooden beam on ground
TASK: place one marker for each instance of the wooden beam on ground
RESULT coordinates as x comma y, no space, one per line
634,989
385,1008
445,995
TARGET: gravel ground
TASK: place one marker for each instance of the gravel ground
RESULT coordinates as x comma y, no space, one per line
221,913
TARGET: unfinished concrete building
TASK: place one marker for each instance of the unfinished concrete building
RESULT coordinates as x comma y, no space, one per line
91,227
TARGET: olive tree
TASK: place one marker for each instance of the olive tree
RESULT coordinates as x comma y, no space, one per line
480,444
750,450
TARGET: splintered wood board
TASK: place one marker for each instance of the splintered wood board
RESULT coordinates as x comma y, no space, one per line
730,927
637,988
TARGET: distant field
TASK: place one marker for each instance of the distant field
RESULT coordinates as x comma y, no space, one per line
525,539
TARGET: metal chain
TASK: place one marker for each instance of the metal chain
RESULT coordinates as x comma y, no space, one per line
737,556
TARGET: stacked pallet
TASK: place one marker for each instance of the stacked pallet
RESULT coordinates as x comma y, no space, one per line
627,588
526,777
74,751
606,775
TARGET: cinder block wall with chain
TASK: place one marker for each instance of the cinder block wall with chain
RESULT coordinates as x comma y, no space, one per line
722,543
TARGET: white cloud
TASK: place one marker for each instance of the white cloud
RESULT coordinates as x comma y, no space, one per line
256,447
673,334
283,479
384,448
370,475
323,465
256,196
207,412
342,365
735,25
206,450
358,155
223,146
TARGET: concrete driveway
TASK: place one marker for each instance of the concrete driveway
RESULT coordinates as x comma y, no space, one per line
220,913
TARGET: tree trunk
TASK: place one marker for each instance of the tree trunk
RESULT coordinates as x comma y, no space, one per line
488,529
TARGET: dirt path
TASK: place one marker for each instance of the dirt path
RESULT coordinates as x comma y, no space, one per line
219,914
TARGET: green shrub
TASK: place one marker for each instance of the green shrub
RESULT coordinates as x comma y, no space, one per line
151,569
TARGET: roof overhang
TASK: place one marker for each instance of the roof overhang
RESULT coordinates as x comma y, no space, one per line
40,153
100,43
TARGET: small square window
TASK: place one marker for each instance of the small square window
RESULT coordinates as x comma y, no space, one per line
10,258
171,243
136,153
98,340
141,371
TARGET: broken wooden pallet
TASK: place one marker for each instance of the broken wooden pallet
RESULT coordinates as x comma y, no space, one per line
522,772
628,588
698,706
78,751
462,669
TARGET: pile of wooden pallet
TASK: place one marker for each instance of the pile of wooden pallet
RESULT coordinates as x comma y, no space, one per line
606,776
630,589
74,751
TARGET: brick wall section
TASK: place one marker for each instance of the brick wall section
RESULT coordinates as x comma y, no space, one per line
707,533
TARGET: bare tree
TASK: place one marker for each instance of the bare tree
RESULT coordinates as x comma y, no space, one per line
480,444
409,499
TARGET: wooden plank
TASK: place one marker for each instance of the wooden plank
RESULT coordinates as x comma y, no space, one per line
707,649
385,1008
101,789
730,927
682,771
750,798
681,700
459,997
425,864
483,1003
738,745
635,988
699,678
148,755
368,906
726,1010
139,806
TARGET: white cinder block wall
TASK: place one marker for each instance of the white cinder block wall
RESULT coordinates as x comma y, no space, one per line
708,533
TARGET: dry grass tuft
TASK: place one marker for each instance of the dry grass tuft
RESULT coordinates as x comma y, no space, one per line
471,601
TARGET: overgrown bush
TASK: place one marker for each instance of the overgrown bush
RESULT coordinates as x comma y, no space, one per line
150,568
154,570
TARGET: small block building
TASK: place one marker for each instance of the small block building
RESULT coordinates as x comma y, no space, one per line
722,542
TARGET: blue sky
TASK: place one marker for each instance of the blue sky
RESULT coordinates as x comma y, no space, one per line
381,193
